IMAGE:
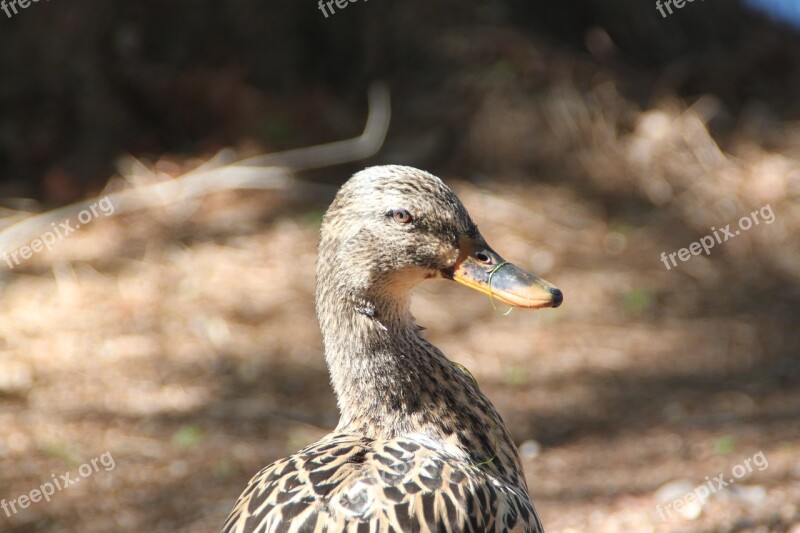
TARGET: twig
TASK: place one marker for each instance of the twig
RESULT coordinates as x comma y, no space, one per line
268,171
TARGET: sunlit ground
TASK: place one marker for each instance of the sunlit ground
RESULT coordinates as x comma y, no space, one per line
184,344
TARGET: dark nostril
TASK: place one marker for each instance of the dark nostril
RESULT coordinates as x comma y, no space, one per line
558,297
483,258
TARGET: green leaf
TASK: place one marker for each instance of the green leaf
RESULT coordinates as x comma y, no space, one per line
724,445
187,437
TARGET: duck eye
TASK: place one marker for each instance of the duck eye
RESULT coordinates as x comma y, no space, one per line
402,216
483,258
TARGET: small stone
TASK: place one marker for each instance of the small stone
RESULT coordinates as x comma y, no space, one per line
682,490
16,377
692,511
530,449
615,243
751,495
674,490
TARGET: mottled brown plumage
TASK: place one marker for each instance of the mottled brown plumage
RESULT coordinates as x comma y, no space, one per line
418,446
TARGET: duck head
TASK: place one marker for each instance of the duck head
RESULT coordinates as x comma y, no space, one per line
391,227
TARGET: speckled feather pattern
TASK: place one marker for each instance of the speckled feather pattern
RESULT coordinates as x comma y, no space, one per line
418,447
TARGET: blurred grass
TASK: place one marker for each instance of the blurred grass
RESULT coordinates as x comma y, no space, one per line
187,437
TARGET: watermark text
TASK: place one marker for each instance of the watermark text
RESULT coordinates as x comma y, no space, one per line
668,4
711,486
58,483
58,232
9,7
718,236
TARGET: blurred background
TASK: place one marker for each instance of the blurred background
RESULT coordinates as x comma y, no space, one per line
585,137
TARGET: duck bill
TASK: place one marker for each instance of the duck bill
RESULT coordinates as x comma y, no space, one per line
480,268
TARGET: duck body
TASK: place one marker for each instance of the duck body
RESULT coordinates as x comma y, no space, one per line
418,446
347,482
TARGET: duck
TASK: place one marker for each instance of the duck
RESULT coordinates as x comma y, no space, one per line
418,446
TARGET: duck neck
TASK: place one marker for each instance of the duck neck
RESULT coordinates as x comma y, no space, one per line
377,360
391,382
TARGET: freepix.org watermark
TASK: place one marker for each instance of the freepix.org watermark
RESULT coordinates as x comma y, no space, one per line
341,4
668,4
46,490
711,486
59,231
10,6
718,236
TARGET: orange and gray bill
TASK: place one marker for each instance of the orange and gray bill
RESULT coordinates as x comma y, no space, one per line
481,268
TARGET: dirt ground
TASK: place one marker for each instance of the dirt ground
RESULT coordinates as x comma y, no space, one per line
158,359
184,345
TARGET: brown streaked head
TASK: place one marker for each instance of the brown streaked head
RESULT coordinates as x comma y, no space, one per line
390,227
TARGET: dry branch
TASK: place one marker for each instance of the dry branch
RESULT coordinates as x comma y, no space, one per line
268,171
